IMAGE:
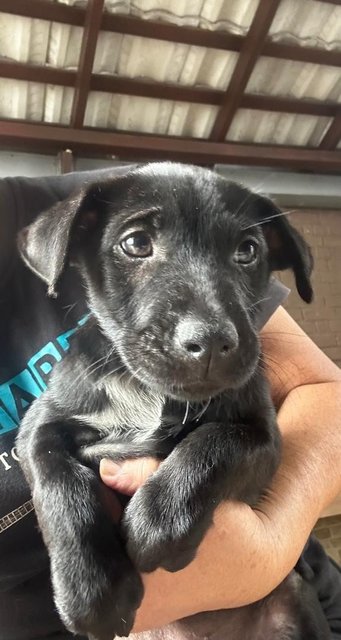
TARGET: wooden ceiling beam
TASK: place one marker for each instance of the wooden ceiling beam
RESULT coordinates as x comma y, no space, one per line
204,95
37,73
247,59
300,53
157,90
51,138
337,2
75,16
92,27
172,32
42,10
165,91
332,136
296,106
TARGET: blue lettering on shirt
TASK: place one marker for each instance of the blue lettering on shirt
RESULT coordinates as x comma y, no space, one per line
17,394
41,364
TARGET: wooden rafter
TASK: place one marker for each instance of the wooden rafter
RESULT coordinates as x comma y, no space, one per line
247,59
333,134
300,53
37,73
172,32
39,9
289,105
165,91
158,90
16,135
92,27
337,2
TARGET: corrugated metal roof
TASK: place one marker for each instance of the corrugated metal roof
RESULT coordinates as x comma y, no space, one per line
39,41
35,102
307,22
208,14
295,79
277,128
136,57
147,115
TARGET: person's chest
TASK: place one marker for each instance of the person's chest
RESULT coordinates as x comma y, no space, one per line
35,334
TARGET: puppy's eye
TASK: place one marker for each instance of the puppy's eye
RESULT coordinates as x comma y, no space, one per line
138,245
246,253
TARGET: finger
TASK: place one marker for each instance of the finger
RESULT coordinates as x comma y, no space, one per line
111,504
126,477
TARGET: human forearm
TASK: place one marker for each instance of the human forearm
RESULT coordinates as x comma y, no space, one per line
309,477
310,422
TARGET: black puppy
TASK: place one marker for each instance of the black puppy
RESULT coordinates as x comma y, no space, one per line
175,261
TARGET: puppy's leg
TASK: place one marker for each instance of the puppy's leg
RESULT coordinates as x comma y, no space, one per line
96,587
92,454
167,518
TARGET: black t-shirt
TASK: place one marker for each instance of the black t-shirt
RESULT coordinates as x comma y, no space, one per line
35,333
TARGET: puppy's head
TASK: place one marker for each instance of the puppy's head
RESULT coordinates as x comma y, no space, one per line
176,261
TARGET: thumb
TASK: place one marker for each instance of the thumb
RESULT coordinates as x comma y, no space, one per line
127,476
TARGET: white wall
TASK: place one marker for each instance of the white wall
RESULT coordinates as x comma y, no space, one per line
35,165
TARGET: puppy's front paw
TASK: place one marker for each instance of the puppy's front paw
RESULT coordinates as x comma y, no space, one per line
99,601
159,531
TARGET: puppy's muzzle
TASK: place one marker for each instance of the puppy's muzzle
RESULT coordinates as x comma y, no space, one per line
207,347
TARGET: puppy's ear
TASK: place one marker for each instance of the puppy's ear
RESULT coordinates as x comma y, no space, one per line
44,245
287,248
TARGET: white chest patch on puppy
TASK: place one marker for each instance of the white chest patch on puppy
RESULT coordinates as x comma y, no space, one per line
130,410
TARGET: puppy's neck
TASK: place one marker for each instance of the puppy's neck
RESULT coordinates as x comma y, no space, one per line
135,406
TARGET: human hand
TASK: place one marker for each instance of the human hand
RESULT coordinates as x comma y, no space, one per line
243,542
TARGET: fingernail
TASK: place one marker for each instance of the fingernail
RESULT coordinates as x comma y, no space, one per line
109,468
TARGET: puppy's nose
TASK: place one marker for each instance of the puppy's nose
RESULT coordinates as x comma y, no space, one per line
200,342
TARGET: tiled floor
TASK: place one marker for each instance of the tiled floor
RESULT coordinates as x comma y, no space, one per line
328,531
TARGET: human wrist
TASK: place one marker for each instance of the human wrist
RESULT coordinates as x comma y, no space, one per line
309,476
310,424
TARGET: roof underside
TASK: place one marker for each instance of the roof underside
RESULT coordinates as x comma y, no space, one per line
242,81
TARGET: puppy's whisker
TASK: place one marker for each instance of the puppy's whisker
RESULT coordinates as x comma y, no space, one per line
274,339
186,413
99,366
88,371
201,413
134,374
111,373
282,333
268,363
257,189
242,204
259,186
110,353
252,306
265,368
268,219
69,308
